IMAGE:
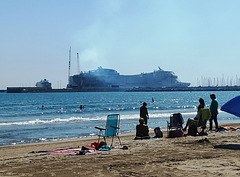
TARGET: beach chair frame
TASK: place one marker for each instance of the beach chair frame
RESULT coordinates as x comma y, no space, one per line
111,129
176,122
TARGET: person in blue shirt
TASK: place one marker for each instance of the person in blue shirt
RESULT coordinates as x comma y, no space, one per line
214,111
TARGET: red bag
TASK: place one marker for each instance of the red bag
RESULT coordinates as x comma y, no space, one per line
97,145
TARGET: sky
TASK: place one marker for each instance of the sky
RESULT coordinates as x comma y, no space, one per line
195,39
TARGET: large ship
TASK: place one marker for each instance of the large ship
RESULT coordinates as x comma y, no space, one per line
110,78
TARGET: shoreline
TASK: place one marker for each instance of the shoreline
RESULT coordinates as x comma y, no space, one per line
87,138
185,156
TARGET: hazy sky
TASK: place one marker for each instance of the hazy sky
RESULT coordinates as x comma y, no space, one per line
192,38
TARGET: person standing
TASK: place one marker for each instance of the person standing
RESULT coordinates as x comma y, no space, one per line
214,111
144,112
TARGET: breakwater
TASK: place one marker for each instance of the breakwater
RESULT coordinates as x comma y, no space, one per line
145,89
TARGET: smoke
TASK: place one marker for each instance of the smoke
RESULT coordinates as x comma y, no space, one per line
138,36
117,35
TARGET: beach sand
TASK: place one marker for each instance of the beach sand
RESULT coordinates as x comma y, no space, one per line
217,154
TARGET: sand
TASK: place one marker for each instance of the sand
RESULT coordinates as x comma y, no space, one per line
217,154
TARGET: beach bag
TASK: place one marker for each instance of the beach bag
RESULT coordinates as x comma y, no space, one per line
158,132
175,133
105,148
192,130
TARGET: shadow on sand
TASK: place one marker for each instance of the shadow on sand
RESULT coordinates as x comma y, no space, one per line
228,146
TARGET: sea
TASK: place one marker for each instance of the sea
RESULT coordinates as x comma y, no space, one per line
23,121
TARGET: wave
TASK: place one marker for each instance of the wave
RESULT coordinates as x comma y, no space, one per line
38,121
95,118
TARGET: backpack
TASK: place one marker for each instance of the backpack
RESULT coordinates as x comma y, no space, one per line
192,130
158,132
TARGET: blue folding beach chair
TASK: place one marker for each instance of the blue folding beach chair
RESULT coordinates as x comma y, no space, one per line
111,129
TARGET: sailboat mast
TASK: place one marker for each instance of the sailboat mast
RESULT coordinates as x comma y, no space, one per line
78,64
69,66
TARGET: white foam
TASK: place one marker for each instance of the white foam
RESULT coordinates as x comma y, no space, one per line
38,121
78,119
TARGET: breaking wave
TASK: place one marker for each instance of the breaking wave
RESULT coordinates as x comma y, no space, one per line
78,119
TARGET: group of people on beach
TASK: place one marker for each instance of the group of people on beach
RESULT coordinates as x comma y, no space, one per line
213,110
142,128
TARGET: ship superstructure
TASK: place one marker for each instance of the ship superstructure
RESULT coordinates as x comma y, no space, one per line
110,78
44,84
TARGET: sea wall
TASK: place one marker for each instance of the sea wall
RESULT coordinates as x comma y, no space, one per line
145,89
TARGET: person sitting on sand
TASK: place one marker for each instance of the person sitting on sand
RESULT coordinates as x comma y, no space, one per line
142,129
193,120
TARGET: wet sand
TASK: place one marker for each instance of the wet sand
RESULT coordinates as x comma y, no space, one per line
217,154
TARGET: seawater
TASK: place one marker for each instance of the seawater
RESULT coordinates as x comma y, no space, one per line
22,119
